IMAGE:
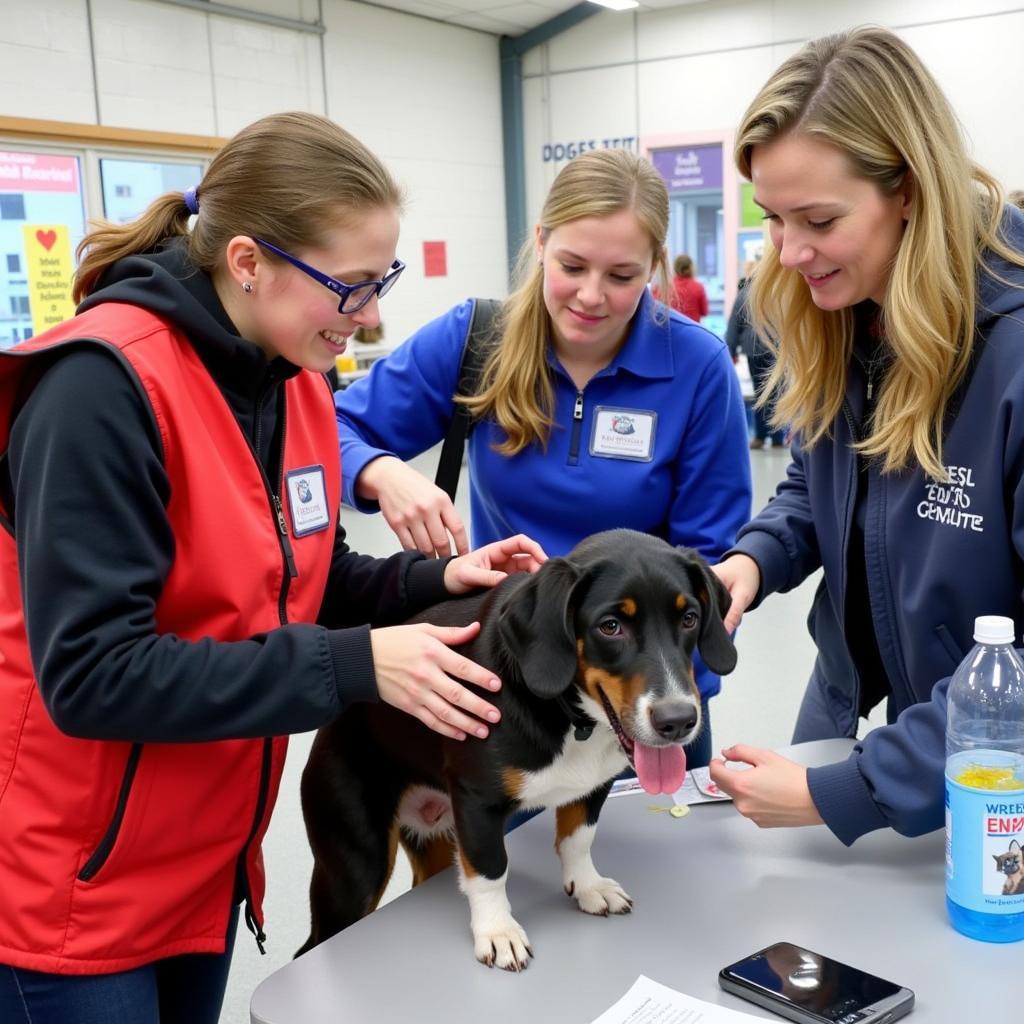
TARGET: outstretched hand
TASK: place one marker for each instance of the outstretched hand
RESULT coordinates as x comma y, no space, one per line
417,672
772,793
489,565
741,576
421,514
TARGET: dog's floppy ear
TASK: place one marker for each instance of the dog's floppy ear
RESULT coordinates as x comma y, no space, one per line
536,626
714,643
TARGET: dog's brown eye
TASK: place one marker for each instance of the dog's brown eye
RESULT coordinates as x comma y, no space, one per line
689,619
610,627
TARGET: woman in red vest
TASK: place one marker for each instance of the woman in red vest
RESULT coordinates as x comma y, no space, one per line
176,595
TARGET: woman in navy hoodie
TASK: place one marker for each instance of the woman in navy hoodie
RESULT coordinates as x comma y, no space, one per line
893,294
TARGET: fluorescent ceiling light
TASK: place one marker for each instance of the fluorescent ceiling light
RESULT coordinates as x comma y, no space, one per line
617,5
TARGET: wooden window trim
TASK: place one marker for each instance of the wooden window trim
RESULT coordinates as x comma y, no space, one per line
70,133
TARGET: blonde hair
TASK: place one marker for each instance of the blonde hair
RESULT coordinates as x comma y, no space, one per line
867,92
288,178
515,388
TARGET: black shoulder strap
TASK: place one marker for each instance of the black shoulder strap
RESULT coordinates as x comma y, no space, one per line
474,354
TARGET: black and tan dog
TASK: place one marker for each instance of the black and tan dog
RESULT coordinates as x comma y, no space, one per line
594,653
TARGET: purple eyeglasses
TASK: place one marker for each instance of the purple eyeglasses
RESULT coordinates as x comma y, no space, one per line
352,297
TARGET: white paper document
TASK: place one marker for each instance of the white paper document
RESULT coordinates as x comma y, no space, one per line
697,787
648,1002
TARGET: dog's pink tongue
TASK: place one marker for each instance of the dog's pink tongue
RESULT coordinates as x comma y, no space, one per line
659,769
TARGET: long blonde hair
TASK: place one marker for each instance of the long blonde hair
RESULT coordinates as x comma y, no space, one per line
867,92
515,388
288,178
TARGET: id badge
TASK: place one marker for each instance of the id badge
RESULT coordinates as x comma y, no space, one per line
307,500
623,433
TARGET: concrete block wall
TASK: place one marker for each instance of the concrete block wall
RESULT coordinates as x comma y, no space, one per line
423,95
695,67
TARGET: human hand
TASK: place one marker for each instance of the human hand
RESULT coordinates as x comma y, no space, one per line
489,565
741,576
415,668
772,793
420,513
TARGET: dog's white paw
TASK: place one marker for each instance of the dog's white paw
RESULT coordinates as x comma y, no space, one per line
505,946
603,896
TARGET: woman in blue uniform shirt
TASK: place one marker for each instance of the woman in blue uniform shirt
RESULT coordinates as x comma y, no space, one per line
598,407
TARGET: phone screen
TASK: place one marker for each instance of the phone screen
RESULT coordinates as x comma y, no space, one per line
811,981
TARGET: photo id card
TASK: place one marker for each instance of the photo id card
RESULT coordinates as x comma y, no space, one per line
623,433
307,500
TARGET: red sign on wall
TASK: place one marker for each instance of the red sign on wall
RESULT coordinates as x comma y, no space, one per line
435,259
38,172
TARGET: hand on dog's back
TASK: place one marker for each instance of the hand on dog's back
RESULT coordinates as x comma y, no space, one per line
418,673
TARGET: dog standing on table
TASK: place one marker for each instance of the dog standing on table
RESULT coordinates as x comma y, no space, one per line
594,653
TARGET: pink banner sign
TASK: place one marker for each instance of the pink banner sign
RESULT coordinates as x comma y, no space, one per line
37,172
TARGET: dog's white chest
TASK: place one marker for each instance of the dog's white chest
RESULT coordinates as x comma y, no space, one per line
578,770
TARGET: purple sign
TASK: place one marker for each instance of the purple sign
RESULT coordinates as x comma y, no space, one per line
688,168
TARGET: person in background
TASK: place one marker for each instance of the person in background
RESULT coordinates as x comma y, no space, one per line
741,337
597,408
893,294
176,593
687,295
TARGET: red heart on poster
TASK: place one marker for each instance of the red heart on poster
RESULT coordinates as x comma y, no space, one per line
47,238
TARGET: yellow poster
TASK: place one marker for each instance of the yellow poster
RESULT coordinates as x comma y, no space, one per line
48,261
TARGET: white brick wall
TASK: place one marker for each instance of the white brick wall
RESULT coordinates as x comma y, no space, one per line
696,67
44,61
425,96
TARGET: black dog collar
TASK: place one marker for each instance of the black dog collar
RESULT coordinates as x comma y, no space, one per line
583,723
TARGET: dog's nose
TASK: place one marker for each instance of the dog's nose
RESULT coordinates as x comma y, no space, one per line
673,719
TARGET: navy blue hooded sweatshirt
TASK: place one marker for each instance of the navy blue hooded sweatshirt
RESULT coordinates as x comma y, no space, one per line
936,554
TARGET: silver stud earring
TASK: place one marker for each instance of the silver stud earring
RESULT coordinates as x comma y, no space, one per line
247,287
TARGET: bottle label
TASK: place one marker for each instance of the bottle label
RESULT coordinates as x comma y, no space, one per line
985,831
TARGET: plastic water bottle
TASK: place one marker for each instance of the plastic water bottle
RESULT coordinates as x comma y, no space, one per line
985,787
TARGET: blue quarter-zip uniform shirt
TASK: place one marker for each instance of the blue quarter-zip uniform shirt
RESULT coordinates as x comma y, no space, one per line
936,555
690,484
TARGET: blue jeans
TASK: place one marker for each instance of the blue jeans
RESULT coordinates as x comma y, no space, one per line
698,755
185,989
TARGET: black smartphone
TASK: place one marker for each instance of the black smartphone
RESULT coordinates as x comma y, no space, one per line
814,989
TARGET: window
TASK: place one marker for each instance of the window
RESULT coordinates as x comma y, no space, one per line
12,207
48,189
129,186
42,219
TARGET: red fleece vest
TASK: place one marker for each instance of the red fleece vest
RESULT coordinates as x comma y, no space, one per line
175,818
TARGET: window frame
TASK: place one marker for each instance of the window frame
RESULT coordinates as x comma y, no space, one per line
93,143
